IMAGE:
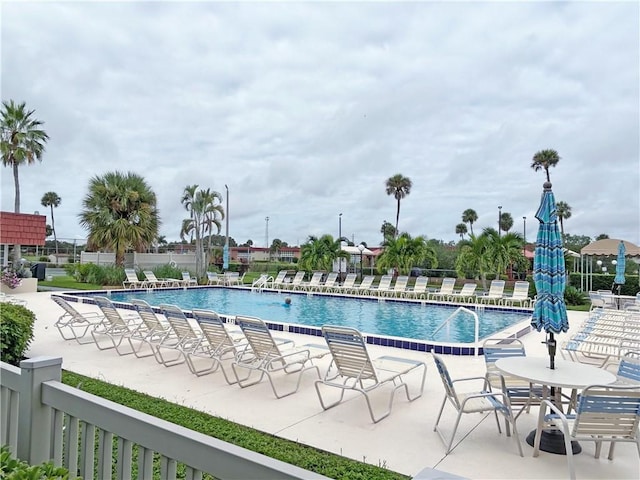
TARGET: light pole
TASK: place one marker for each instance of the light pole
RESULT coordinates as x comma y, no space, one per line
225,253
499,219
340,241
266,235
524,235
361,248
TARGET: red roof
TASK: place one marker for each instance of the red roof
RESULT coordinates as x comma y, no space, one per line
22,229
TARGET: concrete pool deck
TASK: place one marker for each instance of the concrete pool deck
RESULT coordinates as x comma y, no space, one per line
404,442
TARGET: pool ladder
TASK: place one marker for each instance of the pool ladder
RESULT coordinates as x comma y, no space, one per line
455,314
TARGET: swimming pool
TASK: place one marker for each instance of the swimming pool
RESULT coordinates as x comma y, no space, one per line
390,318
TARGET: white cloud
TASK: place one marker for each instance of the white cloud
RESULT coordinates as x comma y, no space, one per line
305,109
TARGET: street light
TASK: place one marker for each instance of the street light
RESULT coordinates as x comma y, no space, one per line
524,235
499,219
340,240
361,247
225,253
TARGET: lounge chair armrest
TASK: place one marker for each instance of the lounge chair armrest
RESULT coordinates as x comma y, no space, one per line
458,380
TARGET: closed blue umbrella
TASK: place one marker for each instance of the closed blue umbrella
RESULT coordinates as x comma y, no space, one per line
621,266
550,311
225,257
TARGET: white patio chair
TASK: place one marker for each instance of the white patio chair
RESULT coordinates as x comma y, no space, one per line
182,341
114,326
74,325
604,413
495,293
466,294
446,289
132,279
520,295
419,290
187,281
481,401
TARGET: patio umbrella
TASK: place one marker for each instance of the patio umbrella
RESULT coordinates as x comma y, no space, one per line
225,257
550,311
620,267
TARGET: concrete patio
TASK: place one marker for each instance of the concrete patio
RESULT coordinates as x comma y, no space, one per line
404,442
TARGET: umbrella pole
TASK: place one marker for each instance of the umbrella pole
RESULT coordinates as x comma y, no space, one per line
551,345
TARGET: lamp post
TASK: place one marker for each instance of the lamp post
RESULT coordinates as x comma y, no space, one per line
361,248
499,219
225,253
340,240
524,234
266,236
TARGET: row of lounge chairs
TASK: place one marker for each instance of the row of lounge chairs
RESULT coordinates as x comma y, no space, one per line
244,351
151,281
400,288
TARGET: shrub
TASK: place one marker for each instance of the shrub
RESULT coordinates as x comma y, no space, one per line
573,296
14,469
16,332
167,271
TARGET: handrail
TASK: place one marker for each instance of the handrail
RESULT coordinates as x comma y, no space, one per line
477,324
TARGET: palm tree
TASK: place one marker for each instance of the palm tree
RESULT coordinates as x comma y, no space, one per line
461,229
120,212
321,253
563,210
545,159
205,213
387,230
51,199
506,222
469,216
502,250
474,258
398,186
404,252
22,142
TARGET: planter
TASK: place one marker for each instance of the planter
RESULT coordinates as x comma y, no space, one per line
27,285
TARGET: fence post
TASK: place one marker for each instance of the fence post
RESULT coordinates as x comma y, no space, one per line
34,418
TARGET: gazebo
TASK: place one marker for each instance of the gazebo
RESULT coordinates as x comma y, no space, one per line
602,248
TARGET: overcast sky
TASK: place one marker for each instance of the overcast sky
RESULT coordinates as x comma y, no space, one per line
305,109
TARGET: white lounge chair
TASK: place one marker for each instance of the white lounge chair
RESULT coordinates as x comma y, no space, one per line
154,282
151,332
182,341
297,280
132,280
114,326
353,369
213,278
399,287
495,293
364,288
267,357
466,293
329,283
383,287
263,281
279,281
347,285
446,289
74,325
187,281
419,289
219,345
312,284
520,295
480,401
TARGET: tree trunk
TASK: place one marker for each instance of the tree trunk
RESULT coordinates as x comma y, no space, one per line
16,182
55,237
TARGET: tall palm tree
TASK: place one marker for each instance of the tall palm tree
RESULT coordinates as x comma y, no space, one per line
502,250
321,253
405,252
563,210
205,213
506,221
387,230
398,186
461,229
22,142
543,160
52,199
120,212
470,216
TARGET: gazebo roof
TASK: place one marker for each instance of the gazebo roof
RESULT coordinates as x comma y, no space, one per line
609,246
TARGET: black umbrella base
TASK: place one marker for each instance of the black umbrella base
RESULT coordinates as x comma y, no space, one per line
553,442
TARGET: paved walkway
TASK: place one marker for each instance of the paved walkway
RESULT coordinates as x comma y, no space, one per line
404,442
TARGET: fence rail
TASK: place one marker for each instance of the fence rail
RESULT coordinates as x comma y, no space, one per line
42,419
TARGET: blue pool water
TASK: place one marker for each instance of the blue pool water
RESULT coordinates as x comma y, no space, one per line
392,318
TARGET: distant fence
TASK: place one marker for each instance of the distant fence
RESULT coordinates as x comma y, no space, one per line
42,419
143,261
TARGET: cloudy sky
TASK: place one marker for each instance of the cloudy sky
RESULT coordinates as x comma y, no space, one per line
304,109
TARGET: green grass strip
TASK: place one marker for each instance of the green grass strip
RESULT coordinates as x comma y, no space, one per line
303,456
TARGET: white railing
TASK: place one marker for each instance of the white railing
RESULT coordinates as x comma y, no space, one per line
454,315
42,419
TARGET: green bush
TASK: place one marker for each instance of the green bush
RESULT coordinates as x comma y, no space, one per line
14,469
167,271
573,296
16,332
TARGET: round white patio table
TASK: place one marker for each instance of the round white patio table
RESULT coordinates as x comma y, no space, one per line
573,375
